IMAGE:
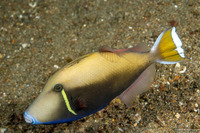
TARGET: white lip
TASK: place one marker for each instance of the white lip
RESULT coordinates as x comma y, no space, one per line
28,119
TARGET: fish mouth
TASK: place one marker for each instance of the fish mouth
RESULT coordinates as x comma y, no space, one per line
30,119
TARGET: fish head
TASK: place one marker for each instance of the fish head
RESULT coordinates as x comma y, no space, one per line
52,105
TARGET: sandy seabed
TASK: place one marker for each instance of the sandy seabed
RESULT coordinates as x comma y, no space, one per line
39,37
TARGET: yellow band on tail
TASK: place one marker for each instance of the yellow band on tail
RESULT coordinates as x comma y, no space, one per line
67,102
168,47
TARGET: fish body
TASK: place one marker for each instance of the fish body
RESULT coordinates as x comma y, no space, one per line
89,83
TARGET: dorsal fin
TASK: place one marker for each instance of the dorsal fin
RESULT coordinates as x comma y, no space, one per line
108,49
139,86
77,60
139,48
105,49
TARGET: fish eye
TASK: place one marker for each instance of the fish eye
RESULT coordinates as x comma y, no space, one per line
58,87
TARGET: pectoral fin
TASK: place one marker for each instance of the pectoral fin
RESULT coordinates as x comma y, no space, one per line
139,86
80,103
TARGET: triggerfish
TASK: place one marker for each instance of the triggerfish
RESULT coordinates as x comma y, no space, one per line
91,82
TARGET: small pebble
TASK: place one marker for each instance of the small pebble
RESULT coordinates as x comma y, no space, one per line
1,56
74,39
180,103
20,16
160,119
24,45
135,124
177,115
138,118
120,129
3,130
184,69
33,5
196,105
195,110
130,46
178,68
56,66
37,17
51,57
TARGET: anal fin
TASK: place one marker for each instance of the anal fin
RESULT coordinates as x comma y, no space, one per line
139,86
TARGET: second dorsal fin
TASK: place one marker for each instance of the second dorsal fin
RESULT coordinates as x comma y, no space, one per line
108,49
138,48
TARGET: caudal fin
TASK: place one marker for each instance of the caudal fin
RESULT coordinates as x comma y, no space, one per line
167,47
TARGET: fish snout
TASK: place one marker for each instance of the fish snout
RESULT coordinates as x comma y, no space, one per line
29,119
